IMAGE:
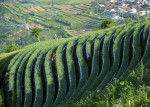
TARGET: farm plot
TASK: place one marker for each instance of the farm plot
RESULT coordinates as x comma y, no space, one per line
78,20
92,23
73,9
73,1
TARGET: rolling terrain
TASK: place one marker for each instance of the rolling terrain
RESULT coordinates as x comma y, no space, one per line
65,20
51,73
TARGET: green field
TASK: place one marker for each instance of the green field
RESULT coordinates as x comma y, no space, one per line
72,1
87,62
20,18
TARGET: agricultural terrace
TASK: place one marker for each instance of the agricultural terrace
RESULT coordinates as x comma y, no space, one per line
63,19
76,9
72,1
51,73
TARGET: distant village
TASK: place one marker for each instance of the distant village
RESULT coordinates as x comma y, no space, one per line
132,8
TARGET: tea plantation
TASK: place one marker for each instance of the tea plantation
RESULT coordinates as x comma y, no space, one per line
52,73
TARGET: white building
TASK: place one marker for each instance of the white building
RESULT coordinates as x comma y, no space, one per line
101,5
133,11
113,10
142,13
115,18
113,1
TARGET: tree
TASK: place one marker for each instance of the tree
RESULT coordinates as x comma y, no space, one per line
107,24
3,11
52,3
36,32
12,47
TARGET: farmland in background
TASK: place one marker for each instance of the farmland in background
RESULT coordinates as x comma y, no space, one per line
64,19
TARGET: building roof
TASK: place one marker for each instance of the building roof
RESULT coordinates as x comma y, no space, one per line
126,8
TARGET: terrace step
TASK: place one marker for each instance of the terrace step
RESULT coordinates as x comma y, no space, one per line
71,70
116,60
83,68
4,62
29,76
94,65
127,54
19,80
136,51
39,78
13,77
61,73
49,80
106,62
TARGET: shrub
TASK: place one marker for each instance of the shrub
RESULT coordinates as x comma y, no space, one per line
120,93
107,24
12,47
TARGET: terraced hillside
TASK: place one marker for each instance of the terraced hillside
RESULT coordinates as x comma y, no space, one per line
18,19
52,73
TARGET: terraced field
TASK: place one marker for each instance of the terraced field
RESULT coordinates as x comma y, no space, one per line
52,73
74,9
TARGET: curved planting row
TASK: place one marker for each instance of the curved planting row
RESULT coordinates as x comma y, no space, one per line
136,49
105,60
54,72
4,62
116,59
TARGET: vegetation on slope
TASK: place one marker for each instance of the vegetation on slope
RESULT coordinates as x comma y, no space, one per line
75,65
17,20
134,91
72,1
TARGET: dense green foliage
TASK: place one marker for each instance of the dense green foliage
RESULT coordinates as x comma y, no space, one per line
12,47
52,73
36,32
3,11
107,24
4,62
134,92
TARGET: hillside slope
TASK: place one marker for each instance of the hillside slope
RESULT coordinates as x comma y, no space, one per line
51,73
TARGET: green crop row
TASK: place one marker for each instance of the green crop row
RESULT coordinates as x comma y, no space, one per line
21,70
71,69
136,49
2,98
39,79
95,64
146,29
82,65
116,59
89,42
4,62
12,76
28,75
74,19
105,60
62,82
50,91
145,59
126,48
